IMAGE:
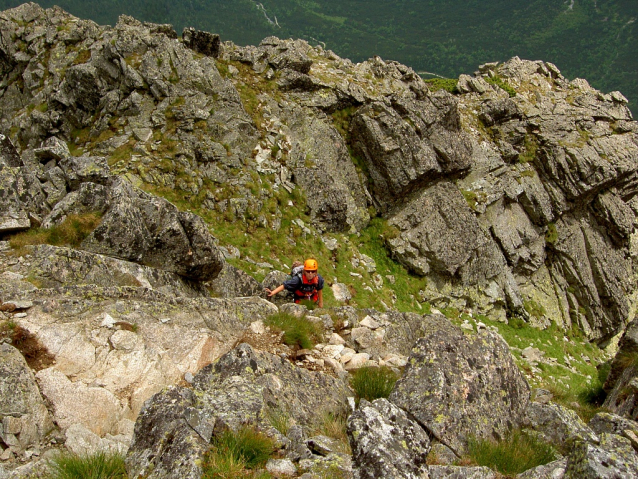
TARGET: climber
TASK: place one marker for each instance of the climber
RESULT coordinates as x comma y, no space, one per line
307,284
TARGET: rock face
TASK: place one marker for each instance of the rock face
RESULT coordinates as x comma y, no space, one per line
517,204
242,388
484,393
386,443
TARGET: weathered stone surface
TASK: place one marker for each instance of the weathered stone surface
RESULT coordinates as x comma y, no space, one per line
20,400
244,384
164,444
457,385
55,266
238,389
386,442
557,425
604,422
9,156
612,457
553,470
439,233
621,385
14,215
409,143
232,282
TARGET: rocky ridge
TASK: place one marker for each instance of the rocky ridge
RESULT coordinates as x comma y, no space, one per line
516,206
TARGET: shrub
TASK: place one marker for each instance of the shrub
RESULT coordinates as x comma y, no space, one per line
235,452
513,455
298,332
372,383
100,465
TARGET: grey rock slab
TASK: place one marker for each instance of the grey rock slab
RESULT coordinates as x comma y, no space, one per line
458,385
604,422
386,442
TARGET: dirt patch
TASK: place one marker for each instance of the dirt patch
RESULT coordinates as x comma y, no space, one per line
36,355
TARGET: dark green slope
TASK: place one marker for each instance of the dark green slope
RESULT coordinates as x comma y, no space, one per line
594,39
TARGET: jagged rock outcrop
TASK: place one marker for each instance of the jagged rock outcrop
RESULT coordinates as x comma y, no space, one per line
457,386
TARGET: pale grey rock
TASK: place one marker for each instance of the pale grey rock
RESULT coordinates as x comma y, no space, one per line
440,454
553,470
232,282
150,230
386,442
281,467
604,422
9,156
341,292
483,394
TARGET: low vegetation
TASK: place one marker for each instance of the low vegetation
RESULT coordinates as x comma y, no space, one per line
240,454
298,332
372,383
514,454
100,465
71,232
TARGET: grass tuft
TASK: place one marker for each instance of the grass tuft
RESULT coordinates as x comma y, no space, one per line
372,383
516,453
298,332
333,424
236,454
100,465
72,231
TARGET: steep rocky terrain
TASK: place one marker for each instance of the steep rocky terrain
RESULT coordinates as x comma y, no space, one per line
162,182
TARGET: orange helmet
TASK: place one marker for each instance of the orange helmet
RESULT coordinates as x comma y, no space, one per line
310,265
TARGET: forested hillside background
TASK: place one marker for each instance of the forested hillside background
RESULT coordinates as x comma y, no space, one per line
592,39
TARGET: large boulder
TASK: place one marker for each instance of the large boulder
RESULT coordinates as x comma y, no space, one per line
458,385
386,442
149,230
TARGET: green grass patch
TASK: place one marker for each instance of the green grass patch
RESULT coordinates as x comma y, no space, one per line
298,332
333,424
516,453
238,454
499,82
447,84
94,466
372,383
71,232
